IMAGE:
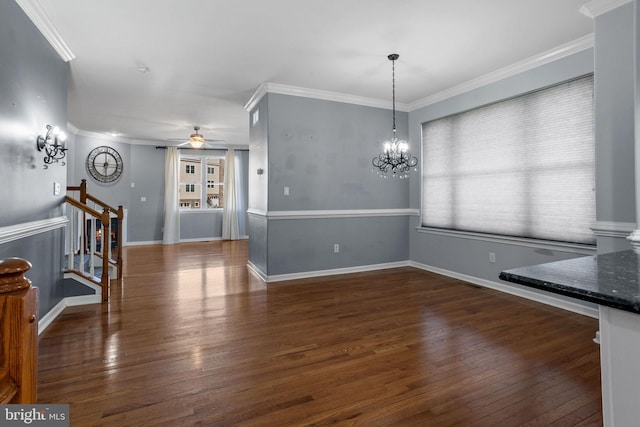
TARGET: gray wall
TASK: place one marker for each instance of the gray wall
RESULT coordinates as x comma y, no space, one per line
463,255
322,151
33,93
614,94
258,185
143,177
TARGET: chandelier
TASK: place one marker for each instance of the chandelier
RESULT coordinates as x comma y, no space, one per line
395,156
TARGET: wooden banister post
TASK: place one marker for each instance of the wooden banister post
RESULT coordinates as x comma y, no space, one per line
83,191
106,241
119,259
18,333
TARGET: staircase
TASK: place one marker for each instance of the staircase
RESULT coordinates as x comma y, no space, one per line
94,241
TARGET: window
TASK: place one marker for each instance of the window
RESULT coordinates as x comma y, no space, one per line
201,183
521,167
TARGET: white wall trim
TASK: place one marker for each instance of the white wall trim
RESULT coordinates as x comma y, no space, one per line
48,318
20,231
559,52
143,243
613,229
549,299
254,269
40,19
208,239
509,240
71,128
596,8
256,212
281,89
330,272
342,213
567,49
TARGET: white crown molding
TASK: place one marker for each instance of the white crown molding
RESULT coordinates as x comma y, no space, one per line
73,129
38,16
596,8
567,49
281,89
20,231
97,135
559,52
613,229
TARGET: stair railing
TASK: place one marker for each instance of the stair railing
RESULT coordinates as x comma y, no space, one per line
90,236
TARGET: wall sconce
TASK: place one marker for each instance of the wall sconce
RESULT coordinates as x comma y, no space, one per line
53,145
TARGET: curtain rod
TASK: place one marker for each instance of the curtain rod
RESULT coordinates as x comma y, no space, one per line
164,147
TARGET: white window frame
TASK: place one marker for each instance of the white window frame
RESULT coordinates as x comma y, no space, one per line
201,205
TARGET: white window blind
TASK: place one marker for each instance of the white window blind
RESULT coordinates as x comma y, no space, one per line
521,167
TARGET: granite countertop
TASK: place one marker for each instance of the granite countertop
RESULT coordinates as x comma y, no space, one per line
610,279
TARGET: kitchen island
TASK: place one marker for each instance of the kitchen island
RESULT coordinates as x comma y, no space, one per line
613,282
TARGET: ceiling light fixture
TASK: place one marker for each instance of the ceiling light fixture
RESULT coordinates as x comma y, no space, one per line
395,156
53,145
196,140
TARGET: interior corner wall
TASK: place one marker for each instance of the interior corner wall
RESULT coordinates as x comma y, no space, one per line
33,88
258,184
614,127
321,152
464,256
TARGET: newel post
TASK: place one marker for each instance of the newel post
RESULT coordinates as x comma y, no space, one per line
18,333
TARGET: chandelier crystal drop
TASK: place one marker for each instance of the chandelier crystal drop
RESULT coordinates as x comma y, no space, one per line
395,157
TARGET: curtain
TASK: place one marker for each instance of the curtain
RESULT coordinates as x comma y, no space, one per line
171,199
230,203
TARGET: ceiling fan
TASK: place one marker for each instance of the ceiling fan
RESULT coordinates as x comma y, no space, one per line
196,139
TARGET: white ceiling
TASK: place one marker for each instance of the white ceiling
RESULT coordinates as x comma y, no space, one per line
208,57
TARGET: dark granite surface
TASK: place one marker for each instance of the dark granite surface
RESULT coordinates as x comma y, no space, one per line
611,279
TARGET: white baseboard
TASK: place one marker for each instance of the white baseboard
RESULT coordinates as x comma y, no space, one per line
142,243
48,318
506,288
159,242
208,239
95,298
330,272
549,299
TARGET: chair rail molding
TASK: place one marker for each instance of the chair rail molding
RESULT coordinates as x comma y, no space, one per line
20,231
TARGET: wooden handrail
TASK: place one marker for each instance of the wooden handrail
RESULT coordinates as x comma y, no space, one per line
105,220
101,203
83,207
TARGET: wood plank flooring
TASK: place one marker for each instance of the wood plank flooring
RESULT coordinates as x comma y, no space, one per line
190,337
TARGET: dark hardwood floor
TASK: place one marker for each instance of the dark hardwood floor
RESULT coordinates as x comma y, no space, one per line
190,337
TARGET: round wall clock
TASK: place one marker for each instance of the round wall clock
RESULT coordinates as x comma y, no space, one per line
104,164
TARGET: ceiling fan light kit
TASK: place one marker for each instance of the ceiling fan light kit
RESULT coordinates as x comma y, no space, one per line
196,140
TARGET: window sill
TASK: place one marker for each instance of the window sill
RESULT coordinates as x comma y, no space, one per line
509,240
